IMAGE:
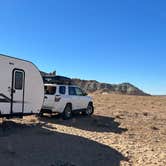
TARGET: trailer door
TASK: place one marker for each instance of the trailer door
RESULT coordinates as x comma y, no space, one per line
18,82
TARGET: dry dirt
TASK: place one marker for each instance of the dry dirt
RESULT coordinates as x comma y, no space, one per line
124,131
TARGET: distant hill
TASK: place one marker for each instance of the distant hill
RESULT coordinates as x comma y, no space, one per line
91,86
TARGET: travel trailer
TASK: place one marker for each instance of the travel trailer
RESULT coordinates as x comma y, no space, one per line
21,87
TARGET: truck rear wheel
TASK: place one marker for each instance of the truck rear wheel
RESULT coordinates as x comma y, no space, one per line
67,113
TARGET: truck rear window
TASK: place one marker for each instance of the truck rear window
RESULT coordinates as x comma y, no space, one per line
50,90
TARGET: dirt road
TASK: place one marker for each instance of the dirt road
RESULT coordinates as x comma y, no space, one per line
124,131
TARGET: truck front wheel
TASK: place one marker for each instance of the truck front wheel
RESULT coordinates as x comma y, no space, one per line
89,110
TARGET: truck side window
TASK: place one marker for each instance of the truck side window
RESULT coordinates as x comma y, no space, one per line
72,91
62,90
79,91
50,90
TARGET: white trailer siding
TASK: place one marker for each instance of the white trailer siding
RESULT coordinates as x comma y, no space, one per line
31,97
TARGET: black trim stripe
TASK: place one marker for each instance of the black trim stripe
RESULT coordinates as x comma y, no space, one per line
4,101
5,98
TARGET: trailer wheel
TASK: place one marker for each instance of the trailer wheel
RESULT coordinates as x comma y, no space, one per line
41,114
67,113
89,110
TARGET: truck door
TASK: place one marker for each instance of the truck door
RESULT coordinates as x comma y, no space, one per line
17,91
74,98
82,100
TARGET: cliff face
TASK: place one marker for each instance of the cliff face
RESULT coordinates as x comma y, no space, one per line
93,86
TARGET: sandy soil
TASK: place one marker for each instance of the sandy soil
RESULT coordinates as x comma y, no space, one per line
124,131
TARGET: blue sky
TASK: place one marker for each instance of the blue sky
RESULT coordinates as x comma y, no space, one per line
110,41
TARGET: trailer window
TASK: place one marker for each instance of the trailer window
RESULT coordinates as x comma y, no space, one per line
50,90
18,80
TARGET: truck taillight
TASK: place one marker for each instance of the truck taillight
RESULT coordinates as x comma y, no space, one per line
57,98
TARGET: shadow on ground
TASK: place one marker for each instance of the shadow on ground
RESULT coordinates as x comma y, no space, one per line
36,145
92,123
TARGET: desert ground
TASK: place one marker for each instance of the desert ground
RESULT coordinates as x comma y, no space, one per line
124,131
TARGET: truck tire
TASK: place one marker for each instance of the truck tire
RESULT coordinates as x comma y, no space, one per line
67,113
89,110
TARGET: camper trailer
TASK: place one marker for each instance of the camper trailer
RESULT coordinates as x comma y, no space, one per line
21,87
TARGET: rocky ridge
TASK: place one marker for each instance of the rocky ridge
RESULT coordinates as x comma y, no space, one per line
95,86
91,86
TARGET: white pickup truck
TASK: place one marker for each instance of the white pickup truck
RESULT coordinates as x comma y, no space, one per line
66,99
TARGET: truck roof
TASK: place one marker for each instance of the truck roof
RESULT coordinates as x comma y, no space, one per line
60,85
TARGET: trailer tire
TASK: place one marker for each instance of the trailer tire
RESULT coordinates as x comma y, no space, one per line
67,113
40,114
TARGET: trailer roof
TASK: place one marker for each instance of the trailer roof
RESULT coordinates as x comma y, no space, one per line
20,60
16,58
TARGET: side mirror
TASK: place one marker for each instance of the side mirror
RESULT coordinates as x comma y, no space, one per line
85,94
